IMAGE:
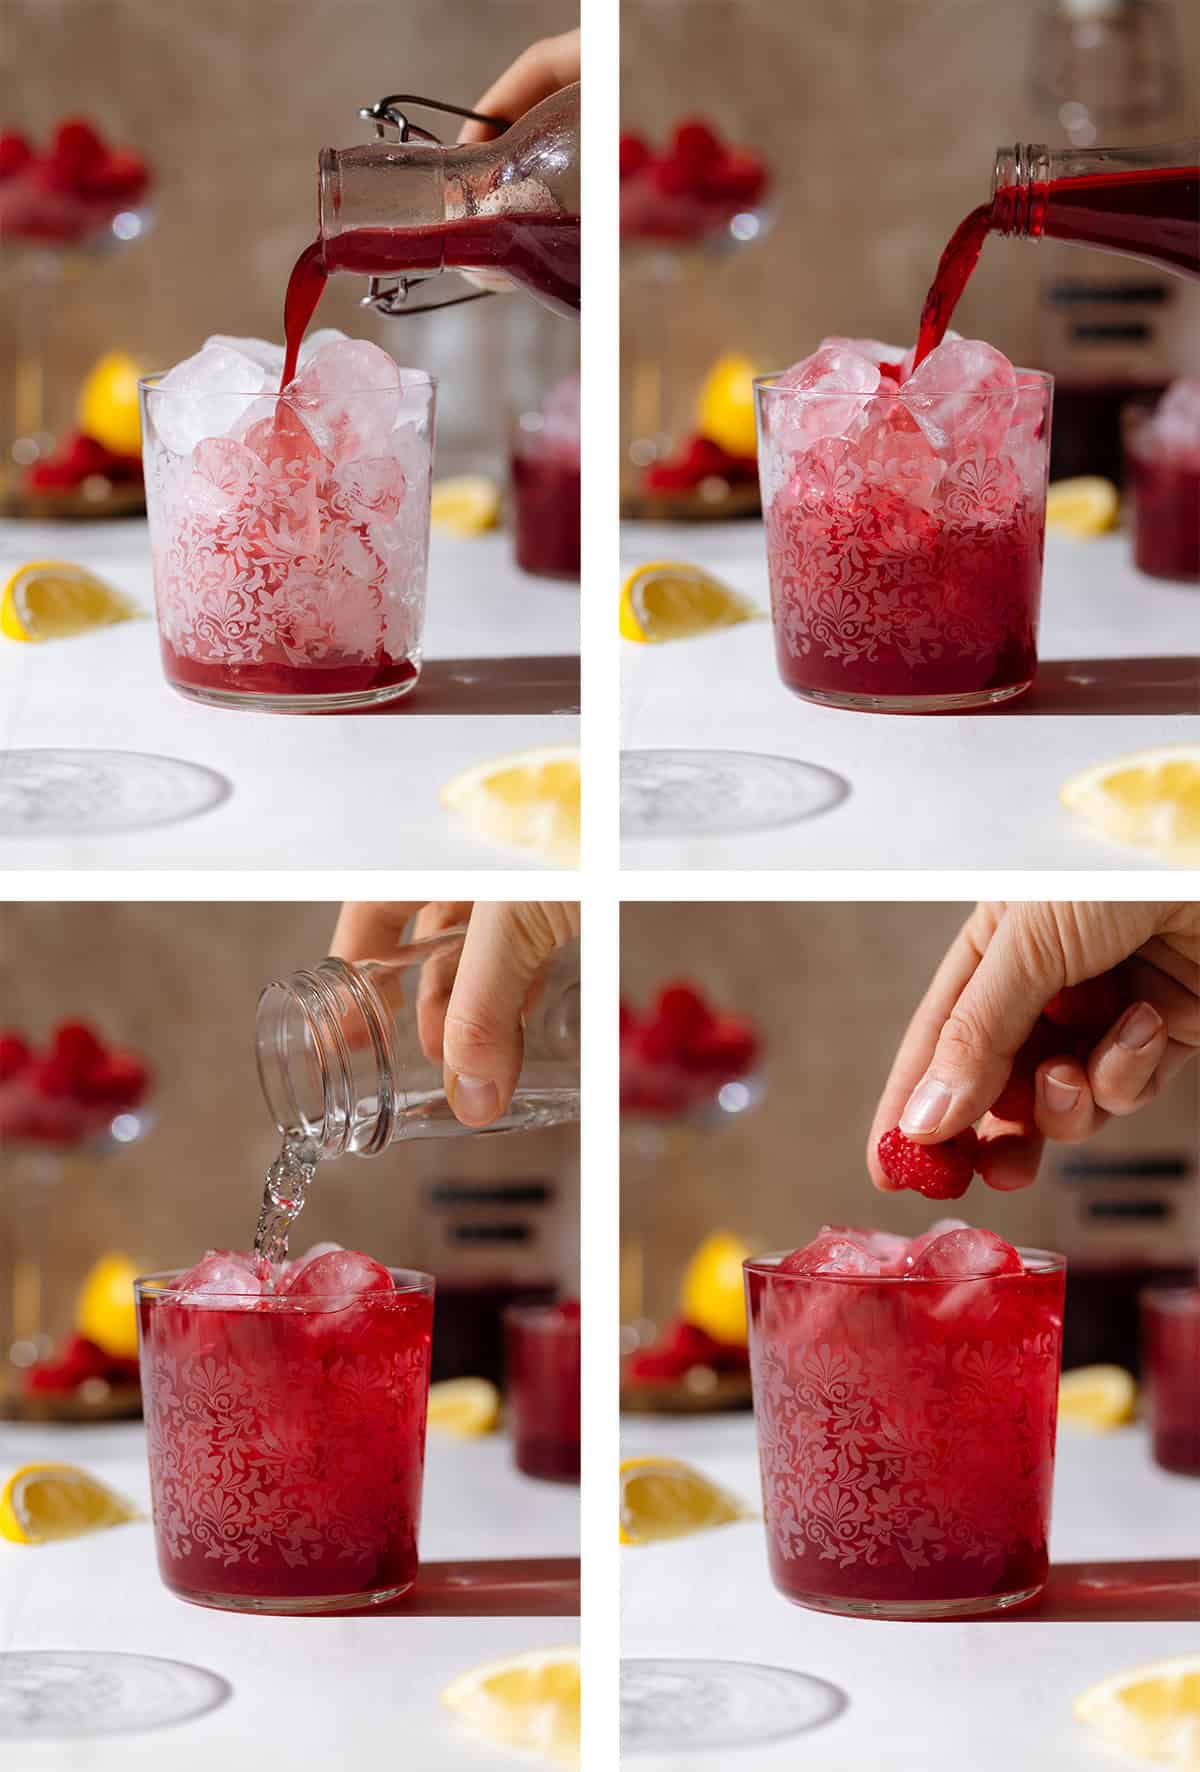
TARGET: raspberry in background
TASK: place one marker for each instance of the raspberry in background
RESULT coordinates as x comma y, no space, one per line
15,153
15,1054
939,1171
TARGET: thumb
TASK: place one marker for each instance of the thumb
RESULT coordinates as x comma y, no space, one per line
1022,967
482,1046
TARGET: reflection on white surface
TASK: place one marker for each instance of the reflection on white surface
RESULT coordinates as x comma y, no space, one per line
676,1706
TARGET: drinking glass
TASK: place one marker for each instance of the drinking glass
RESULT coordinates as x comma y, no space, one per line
906,1435
542,1348
286,1442
1171,1363
290,543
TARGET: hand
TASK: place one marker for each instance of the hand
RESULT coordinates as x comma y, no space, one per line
1005,965
543,68
469,1006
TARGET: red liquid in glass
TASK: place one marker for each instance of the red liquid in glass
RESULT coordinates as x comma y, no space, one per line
906,1435
286,1447
1166,513
542,1390
1171,1360
540,252
1150,214
545,497
468,1339
279,677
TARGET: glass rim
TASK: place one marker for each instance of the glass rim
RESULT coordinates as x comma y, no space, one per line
150,384
157,1288
768,384
543,1313
1046,1261
1177,1300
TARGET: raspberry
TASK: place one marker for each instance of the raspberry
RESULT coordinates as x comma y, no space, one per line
628,1019
117,1081
654,1043
77,149
76,1046
681,1009
121,174
680,1347
939,1171
1092,1007
51,1079
695,146
1017,1100
737,175
14,1056
672,178
15,153
635,154
727,1046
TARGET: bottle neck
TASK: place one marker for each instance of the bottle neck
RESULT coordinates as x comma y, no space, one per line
348,1061
1140,201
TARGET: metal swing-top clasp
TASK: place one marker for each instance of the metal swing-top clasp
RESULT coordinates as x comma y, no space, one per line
389,295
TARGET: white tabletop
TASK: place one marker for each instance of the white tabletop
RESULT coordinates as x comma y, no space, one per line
926,791
330,791
338,1692
994,1696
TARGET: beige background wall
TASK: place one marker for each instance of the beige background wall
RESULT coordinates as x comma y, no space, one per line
231,100
831,986
179,982
880,119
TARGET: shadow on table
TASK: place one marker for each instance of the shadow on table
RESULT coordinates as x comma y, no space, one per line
493,686
529,1587
1164,1592
1111,686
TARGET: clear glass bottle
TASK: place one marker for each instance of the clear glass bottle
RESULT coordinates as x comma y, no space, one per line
344,1066
1107,329
509,206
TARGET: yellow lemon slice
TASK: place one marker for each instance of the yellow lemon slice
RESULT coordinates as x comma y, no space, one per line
528,1701
725,408
108,404
669,600
1097,1397
713,1295
464,1407
44,1502
52,599
530,800
106,1310
1152,1712
468,504
665,1498
1082,507
1149,800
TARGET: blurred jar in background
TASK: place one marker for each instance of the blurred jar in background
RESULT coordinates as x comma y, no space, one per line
1125,1222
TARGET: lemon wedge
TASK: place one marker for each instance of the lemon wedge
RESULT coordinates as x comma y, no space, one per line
725,408
52,599
464,1407
1149,800
530,800
1085,506
467,504
665,1498
108,404
1152,1712
1097,1397
713,1295
528,1701
41,1503
669,600
106,1311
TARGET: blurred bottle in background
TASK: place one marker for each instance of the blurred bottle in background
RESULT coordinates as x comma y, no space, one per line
1109,330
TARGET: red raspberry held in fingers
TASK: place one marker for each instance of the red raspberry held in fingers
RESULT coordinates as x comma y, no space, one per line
15,153
15,1054
939,1171
635,153
1017,1100
1091,1007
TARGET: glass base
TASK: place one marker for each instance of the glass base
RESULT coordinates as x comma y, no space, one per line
291,1605
677,793
900,1611
66,793
911,704
63,1694
349,702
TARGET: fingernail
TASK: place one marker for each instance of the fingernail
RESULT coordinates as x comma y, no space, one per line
1059,1094
1139,1027
926,1107
473,1099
